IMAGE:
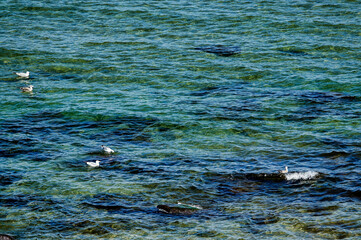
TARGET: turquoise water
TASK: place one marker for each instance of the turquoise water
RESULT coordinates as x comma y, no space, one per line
187,125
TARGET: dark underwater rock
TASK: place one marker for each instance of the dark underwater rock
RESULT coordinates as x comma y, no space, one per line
278,177
220,50
274,177
177,210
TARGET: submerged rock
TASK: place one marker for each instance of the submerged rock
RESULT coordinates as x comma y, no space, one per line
220,50
279,177
178,210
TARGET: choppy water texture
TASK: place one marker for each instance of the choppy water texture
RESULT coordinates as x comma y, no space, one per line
203,102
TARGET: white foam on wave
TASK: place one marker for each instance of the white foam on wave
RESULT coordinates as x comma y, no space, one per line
301,175
190,205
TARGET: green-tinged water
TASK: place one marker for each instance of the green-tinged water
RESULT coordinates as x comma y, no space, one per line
197,99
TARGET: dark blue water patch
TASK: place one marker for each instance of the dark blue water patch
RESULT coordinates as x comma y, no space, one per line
46,8
123,222
356,193
270,218
73,77
134,132
332,48
115,202
9,53
335,154
123,165
328,189
13,152
124,43
16,200
61,225
324,97
305,114
313,105
47,123
247,185
143,170
9,177
206,91
250,105
294,52
318,210
14,147
21,146
34,154
340,148
220,50
68,227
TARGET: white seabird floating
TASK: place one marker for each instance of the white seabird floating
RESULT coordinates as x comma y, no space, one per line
23,74
284,171
27,89
93,164
107,149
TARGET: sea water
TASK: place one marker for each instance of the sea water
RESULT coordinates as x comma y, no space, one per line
141,78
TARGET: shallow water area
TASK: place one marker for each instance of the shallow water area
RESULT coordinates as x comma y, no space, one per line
202,102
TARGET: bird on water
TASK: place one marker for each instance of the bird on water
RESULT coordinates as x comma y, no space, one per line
23,74
107,149
284,171
93,164
27,89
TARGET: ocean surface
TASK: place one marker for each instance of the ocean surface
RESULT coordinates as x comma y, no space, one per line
202,101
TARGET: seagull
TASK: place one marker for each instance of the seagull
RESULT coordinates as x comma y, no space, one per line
284,171
23,74
27,89
93,164
107,149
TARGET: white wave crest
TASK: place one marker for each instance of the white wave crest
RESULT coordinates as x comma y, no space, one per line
301,175
190,205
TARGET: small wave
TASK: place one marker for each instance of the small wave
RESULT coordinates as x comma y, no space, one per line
302,175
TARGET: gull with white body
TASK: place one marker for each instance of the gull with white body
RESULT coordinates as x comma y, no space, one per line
107,150
284,171
93,164
23,74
